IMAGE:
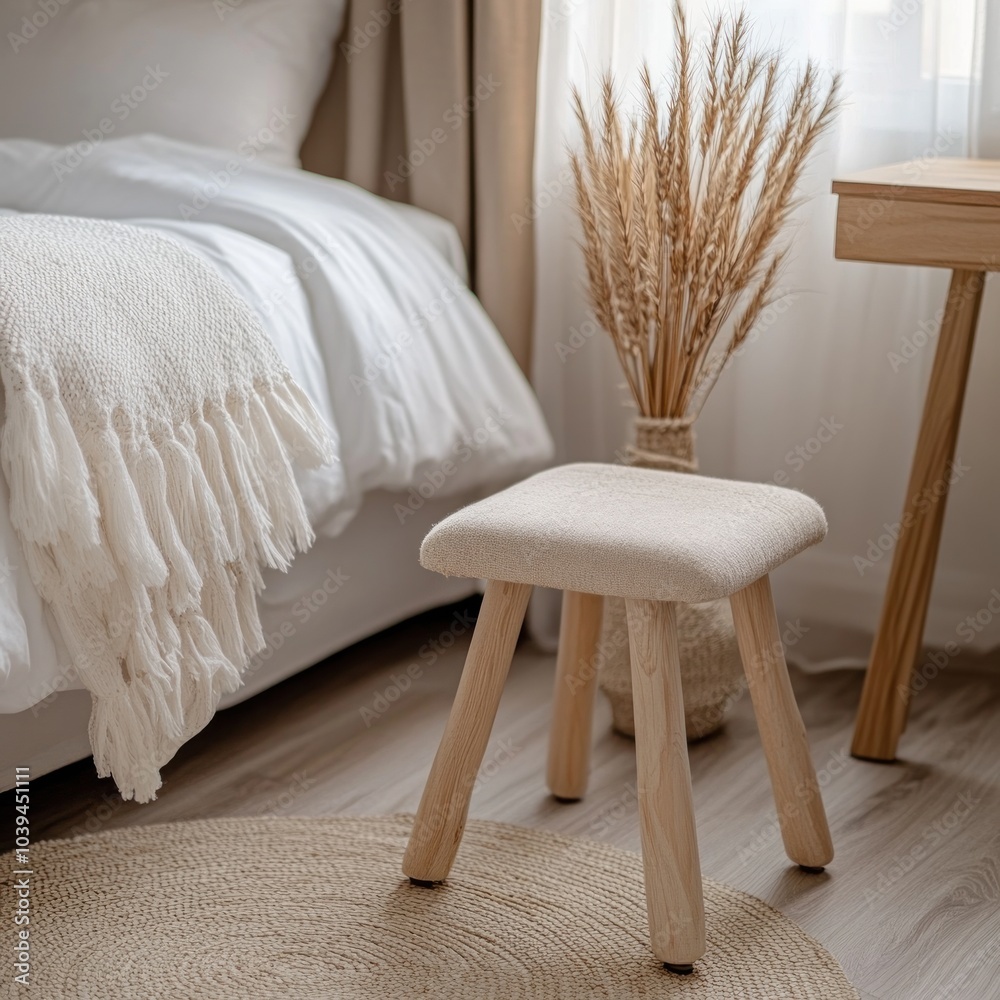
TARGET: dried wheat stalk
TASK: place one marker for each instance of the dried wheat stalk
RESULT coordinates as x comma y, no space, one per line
681,207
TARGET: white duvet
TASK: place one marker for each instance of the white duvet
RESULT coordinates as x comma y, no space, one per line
374,322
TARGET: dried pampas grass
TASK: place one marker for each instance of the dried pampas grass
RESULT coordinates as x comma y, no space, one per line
682,204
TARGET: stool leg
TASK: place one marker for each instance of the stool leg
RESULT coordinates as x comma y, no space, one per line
573,697
803,822
670,861
444,807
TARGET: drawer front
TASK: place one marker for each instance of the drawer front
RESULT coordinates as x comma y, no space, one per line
929,234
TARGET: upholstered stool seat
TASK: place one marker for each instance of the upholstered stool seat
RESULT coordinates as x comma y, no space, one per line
627,532
656,539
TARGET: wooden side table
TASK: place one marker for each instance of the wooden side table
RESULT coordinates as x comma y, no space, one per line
932,213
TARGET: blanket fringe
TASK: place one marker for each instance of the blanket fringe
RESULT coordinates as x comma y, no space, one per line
148,542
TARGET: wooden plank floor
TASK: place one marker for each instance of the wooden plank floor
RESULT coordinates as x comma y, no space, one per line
910,906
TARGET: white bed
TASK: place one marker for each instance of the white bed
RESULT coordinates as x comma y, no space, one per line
366,302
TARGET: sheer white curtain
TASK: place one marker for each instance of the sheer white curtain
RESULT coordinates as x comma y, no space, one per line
828,396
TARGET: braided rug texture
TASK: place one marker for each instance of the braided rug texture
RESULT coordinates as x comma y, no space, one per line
230,909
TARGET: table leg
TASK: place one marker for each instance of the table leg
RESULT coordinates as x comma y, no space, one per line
886,695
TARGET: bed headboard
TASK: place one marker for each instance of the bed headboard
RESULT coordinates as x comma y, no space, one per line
434,104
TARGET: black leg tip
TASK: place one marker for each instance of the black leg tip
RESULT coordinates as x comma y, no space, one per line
566,800
812,869
678,970
873,760
423,883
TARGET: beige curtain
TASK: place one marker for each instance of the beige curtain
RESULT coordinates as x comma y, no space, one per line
433,102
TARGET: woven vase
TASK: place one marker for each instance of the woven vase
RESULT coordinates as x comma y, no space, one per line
711,670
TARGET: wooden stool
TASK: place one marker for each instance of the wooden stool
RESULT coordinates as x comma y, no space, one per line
653,538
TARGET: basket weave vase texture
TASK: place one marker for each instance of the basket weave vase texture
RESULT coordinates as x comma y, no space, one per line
711,670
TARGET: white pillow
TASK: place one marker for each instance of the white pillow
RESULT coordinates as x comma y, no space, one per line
242,75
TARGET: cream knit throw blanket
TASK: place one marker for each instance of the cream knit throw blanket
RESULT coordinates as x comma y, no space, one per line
149,430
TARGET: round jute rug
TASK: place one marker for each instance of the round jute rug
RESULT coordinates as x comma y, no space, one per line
254,909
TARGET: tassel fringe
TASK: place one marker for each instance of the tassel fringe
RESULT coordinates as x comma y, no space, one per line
148,543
